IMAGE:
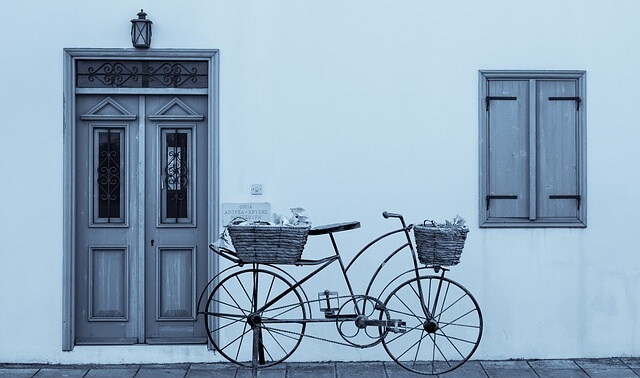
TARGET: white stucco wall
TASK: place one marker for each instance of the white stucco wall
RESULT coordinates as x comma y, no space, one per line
349,108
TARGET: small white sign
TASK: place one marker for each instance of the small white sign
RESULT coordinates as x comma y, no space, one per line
250,211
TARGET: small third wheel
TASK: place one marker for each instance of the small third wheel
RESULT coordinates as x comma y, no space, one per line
360,320
443,325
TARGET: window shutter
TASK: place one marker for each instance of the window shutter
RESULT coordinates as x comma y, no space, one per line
508,143
557,187
532,149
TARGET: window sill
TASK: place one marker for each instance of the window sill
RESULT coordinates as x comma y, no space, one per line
526,223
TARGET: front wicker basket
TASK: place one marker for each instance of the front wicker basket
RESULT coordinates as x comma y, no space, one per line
268,244
439,246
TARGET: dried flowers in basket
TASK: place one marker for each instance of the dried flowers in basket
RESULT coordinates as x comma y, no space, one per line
277,242
440,244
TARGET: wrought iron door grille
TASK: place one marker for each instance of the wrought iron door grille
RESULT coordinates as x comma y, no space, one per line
176,175
141,74
109,174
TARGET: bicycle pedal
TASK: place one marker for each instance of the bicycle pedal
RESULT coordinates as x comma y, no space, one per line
397,326
329,303
331,313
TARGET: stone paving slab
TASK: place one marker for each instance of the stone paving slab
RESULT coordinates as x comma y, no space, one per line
508,369
316,370
162,372
557,369
212,371
110,372
278,371
395,371
470,369
633,364
360,370
18,373
58,372
606,368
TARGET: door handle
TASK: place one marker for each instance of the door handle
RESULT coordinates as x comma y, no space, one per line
152,242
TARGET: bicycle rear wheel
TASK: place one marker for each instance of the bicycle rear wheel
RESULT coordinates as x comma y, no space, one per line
244,335
443,325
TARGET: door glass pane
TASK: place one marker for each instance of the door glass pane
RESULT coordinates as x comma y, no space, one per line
108,186
176,187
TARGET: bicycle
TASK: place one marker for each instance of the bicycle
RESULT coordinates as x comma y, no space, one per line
256,314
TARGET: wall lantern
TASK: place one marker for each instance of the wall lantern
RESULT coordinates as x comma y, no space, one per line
141,31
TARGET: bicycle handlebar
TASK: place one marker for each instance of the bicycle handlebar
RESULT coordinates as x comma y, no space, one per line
387,215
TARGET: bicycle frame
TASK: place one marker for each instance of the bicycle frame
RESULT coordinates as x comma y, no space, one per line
325,262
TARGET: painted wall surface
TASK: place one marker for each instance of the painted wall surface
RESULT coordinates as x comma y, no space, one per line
349,108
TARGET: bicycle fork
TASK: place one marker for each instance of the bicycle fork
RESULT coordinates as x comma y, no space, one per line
431,323
254,321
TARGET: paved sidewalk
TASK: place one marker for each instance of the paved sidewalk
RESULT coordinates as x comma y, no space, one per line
578,368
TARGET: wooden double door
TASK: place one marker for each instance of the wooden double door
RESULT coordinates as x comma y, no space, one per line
141,218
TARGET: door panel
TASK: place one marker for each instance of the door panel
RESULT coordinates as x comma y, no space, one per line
104,253
176,144
131,190
176,283
108,284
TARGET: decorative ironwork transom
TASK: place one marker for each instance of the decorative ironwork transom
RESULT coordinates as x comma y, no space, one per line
141,74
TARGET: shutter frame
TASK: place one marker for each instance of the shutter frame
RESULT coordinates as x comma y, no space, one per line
539,201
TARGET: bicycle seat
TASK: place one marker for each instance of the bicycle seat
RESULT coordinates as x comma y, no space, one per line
334,227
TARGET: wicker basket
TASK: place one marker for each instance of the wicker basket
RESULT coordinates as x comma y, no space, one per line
268,244
439,246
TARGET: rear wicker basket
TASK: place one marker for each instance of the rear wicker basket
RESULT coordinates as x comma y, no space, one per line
268,244
439,246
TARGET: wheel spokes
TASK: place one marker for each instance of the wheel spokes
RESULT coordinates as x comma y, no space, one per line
233,305
448,333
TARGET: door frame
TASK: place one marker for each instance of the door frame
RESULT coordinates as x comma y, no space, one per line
71,55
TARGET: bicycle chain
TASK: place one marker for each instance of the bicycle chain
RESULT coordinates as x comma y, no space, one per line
308,302
309,336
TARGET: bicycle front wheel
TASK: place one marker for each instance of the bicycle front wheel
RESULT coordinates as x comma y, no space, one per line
244,333
443,325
